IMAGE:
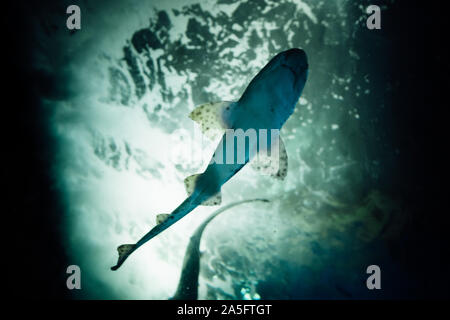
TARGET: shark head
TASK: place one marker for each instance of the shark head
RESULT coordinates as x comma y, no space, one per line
295,63
279,84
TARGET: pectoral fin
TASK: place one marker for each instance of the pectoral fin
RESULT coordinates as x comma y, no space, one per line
215,200
275,164
190,183
214,118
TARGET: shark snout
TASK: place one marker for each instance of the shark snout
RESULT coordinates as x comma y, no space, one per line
295,59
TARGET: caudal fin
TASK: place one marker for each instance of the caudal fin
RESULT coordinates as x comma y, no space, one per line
124,251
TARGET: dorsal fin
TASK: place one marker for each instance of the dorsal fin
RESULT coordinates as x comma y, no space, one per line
214,117
275,164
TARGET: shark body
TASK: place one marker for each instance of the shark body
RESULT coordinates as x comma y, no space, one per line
266,104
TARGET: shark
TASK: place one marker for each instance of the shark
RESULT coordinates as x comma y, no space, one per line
188,285
256,119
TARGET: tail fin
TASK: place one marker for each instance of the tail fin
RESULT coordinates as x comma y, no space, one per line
124,251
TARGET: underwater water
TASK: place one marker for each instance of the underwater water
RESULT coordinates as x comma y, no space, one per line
117,110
